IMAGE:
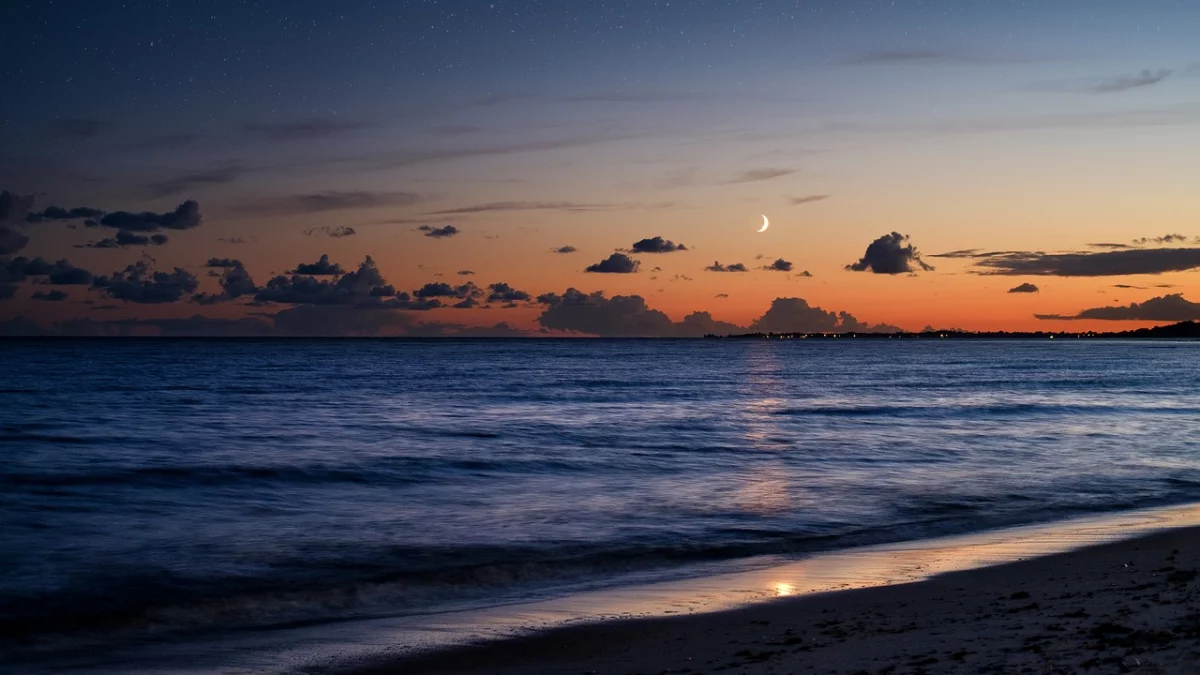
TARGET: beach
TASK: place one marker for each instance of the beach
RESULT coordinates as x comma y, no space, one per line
1126,606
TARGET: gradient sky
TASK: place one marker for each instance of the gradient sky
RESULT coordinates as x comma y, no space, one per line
1009,132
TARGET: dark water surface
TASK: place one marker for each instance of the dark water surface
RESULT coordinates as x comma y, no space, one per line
152,485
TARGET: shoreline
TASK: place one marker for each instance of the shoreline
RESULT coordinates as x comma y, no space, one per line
1125,604
642,627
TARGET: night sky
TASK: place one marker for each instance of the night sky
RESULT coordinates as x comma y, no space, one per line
600,168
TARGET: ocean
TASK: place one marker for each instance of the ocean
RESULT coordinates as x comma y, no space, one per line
168,488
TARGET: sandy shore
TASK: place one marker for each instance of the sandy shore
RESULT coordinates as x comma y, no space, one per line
1123,607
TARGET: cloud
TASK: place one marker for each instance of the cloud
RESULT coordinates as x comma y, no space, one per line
73,128
53,296
60,273
795,315
806,274
187,181
138,283
1088,264
1165,239
185,216
1125,82
439,232
1171,307
718,267
617,263
14,207
509,296
467,294
890,254
237,240
320,268
7,291
527,206
780,265
59,213
1109,245
223,262
465,273
11,241
302,130
335,232
235,282
1024,288
126,238
363,288
656,245
721,295
796,201
320,202
754,175
565,249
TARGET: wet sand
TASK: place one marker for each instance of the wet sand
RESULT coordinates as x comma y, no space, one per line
1123,607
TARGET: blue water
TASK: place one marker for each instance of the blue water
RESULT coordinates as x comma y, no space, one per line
150,486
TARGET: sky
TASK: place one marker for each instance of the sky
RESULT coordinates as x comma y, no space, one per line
444,168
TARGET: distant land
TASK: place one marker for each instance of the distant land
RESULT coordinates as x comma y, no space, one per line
1183,329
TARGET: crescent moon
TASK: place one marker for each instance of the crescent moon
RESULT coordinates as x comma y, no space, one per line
766,224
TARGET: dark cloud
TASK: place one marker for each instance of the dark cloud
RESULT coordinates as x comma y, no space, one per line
320,268
363,288
1126,82
806,274
780,265
192,179
73,128
890,254
138,283
60,273
7,291
1165,239
11,241
795,315
718,267
59,213
184,217
796,201
754,175
237,240
303,130
438,232
722,295
509,296
235,282
126,238
1109,245
594,314
321,202
1171,307
53,296
1088,264
617,263
565,249
223,262
14,207
335,232
1024,288
656,245
465,273
63,273
526,206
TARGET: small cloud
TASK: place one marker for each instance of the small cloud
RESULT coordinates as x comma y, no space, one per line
1165,239
223,262
1125,82
320,268
335,232
780,265
302,130
718,267
722,295
806,274
1171,307
1024,288
53,296
438,232
617,263
755,175
334,200
237,241
509,296
565,249
187,181
796,201
126,238
465,273
890,254
656,245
